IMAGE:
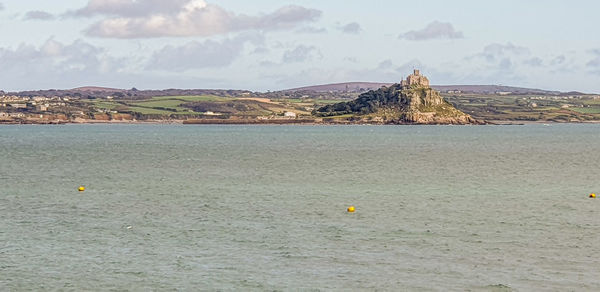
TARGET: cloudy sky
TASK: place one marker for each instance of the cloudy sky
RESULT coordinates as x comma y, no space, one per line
273,44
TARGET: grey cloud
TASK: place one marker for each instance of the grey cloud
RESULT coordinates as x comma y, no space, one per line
559,60
1,6
183,18
434,30
507,59
310,29
564,63
261,51
387,64
534,62
79,54
505,64
283,18
499,61
38,15
268,64
510,63
301,53
197,55
497,52
351,28
594,64
55,63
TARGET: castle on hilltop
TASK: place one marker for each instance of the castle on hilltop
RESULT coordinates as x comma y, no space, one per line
415,79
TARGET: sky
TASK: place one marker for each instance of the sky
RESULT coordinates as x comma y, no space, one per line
273,45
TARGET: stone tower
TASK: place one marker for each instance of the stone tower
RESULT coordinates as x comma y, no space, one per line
415,79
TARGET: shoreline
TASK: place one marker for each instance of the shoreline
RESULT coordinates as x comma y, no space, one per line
298,122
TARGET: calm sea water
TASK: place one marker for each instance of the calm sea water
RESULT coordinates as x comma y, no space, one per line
172,207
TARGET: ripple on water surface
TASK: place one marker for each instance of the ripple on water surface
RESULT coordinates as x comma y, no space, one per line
264,207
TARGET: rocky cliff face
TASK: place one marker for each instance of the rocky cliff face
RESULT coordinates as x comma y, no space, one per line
426,106
399,104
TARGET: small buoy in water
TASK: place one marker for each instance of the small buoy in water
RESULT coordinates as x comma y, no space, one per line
81,188
592,195
129,227
351,209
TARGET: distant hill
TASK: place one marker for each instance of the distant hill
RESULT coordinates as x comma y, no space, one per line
92,92
336,90
98,89
342,87
361,87
491,89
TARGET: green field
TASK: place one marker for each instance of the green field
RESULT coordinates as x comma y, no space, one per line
198,105
586,110
165,105
192,98
149,111
527,108
105,105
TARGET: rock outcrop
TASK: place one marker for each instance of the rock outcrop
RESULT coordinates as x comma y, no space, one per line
412,102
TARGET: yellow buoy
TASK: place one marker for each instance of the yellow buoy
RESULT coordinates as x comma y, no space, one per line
592,195
81,188
351,209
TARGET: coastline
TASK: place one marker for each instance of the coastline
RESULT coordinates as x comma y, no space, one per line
298,122
315,121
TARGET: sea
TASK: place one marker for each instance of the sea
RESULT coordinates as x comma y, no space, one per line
264,208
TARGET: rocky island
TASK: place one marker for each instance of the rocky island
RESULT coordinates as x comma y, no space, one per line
412,101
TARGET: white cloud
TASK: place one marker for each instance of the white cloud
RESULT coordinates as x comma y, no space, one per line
183,18
130,8
351,28
1,6
434,30
38,15
197,55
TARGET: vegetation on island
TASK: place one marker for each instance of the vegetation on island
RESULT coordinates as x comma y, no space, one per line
396,104
368,102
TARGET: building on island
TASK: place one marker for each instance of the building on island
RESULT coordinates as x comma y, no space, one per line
42,107
416,79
